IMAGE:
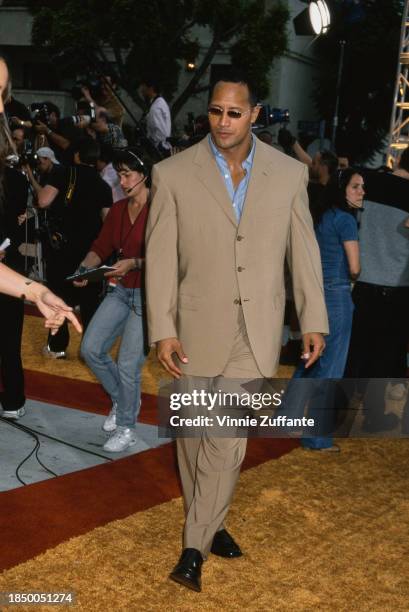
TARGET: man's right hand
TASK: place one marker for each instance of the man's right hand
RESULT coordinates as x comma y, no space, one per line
41,128
165,349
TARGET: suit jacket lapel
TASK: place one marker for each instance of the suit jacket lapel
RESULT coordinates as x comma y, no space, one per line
260,173
208,173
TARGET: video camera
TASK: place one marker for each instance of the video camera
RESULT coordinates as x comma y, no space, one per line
92,81
86,113
195,130
271,116
28,157
40,112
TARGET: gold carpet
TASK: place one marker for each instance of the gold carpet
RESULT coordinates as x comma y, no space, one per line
320,532
35,338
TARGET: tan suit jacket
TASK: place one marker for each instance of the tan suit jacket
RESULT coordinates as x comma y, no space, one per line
200,263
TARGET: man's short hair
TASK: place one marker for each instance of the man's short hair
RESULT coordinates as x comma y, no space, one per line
235,76
18,128
329,159
89,151
151,81
404,160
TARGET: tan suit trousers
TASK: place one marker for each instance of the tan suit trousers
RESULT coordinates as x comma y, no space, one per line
209,466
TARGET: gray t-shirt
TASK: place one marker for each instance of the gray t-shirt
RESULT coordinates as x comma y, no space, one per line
383,237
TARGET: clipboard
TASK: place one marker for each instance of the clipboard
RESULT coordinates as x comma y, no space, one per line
92,275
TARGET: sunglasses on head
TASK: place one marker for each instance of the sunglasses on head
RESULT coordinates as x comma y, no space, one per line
215,111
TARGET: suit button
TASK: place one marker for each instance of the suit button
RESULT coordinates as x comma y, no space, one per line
240,269
240,238
236,301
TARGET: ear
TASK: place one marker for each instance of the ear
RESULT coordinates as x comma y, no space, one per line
255,112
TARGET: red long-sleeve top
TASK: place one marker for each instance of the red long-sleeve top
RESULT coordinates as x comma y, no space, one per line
119,237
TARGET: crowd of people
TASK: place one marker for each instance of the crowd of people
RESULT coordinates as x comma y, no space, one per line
220,221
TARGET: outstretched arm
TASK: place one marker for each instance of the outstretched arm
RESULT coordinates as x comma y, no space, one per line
53,308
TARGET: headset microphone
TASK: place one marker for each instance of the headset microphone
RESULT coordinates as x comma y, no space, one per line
136,184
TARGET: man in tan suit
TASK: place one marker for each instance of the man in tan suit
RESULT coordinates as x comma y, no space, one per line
225,214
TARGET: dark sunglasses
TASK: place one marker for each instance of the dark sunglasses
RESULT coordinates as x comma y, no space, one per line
215,111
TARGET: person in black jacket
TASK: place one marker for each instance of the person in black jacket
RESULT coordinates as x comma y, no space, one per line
12,213
78,200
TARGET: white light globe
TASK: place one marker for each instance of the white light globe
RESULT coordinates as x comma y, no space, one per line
319,17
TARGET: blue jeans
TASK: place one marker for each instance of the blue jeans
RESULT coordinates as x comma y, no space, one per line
331,365
119,314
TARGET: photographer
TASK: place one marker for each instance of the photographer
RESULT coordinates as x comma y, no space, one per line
57,134
17,113
106,132
158,119
48,169
18,135
96,123
47,166
102,94
78,199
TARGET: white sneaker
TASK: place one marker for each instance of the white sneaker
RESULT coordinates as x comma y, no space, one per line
47,352
110,421
14,414
120,440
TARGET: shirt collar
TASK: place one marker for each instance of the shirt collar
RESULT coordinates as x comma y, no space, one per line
246,163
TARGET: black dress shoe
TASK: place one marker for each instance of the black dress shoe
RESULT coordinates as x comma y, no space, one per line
188,569
224,545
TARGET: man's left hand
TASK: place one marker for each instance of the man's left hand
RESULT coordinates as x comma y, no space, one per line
314,341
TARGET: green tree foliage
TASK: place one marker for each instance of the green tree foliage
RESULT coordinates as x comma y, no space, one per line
156,37
368,79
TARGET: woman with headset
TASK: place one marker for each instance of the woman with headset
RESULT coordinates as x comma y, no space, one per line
121,313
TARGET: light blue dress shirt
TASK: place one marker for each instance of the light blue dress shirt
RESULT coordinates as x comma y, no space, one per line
237,196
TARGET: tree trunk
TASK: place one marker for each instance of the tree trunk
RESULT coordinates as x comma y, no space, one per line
191,87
